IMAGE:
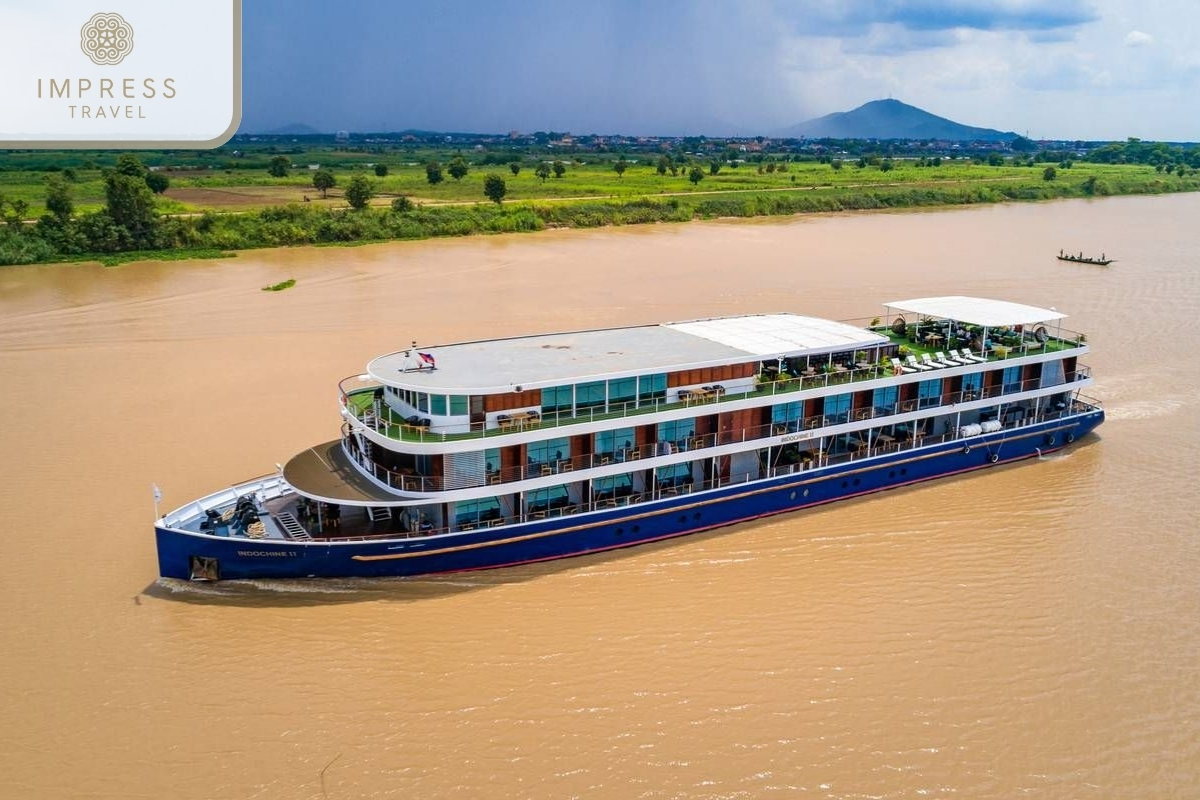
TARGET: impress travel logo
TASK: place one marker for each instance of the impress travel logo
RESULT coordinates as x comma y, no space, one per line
71,76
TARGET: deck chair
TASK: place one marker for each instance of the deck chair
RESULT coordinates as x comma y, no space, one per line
898,367
912,362
940,358
967,357
928,361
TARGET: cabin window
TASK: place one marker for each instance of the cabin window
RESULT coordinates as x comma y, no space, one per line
475,512
652,387
458,405
612,486
622,390
422,402
1052,373
556,398
929,393
788,414
884,400
546,499
1011,379
676,433
437,404
491,460
837,408
549,451
673,475
972,382
590,395
609,442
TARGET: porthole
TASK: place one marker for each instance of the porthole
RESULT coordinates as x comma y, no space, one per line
904,470
892,474
792,496
683,520
620,531
696,515
637,528
857,481
806,492
845,484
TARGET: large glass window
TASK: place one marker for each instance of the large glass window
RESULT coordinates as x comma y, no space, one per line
476,512
929,393
789,415
652,387
549,451
972,385
422,402
621,391
609,442
590,395
673,475
1012,379
437,404
676,433
612,486
546,499
556,398
884,400
458,405
837,409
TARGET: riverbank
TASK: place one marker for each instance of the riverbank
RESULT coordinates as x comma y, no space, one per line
208,233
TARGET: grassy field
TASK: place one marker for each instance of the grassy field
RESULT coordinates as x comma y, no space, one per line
232,187
222,201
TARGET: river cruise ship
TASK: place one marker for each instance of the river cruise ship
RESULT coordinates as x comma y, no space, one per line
509,451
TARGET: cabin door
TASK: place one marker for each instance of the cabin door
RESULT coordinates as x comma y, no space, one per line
477,414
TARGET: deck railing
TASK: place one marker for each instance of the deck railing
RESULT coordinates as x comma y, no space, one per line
671,489
363,403
800,428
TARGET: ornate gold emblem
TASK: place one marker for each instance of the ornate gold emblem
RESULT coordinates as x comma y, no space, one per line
106,38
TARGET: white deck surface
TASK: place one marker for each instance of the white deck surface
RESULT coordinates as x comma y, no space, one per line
531,362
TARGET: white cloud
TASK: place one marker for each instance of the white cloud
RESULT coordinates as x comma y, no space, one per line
1138,39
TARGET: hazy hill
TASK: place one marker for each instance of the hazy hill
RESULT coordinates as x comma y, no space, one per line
891,119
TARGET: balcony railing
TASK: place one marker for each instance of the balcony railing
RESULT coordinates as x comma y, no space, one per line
363,403
656,491
799,428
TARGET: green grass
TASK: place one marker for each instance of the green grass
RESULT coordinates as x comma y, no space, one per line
279,287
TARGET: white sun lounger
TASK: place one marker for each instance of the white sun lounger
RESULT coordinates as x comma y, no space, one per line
912,362
928,361
896,365
940,358
967,356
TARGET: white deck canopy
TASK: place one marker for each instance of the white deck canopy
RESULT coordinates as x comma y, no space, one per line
977,311
776,334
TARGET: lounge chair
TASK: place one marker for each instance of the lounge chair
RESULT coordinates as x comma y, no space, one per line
898,367
941,358
967,357
916,365
928,361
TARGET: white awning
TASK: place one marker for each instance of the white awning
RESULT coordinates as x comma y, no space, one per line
781,334
977,310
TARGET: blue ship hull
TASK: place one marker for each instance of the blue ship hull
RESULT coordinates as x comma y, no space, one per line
620,527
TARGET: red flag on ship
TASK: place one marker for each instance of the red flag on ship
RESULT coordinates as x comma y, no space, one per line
428,359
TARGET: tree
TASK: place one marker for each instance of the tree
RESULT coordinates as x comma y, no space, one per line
402,204
836,163
359,192
714,167
514,168
58,200
696,175
542,171
494,188
157,182
323,181
1049,174
559,168
131,165
995,160
664,163
129,204
381,170
620,166
433,173
457,168
886,165
279,167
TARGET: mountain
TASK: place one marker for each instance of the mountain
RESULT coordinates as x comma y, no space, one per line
891,119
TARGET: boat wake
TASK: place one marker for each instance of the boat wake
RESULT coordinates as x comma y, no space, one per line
1143,409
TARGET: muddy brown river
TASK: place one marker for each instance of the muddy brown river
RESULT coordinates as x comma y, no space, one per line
1030,631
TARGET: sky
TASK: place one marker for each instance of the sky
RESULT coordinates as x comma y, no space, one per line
1069,69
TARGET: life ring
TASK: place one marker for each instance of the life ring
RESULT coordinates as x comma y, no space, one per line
1070,437
993,458
966,449
1050,439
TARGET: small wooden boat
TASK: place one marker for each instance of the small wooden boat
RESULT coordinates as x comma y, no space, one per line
1082,259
